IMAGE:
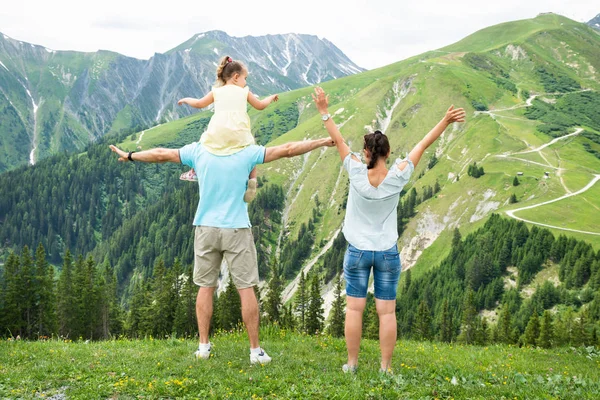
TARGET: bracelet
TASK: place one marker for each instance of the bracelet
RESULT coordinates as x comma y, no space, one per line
129,156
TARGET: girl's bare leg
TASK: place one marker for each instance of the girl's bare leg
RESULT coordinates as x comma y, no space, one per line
252,185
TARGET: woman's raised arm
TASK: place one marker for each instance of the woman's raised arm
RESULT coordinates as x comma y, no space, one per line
452,115
322,102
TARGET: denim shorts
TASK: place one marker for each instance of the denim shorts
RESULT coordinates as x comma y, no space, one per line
386,272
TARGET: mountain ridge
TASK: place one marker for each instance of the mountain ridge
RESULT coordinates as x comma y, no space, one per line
56,100
595,22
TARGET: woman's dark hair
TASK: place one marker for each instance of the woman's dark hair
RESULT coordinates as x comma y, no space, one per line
227,68
378,145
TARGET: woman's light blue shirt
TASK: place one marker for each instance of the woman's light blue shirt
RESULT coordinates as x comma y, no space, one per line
371,212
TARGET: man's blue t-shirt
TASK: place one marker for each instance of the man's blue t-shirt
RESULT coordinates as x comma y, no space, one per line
222,182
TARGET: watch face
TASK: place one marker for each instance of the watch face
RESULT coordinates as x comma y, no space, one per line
325,117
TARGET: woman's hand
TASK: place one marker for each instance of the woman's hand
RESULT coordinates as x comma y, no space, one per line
181,102
275,97
321,100
454,115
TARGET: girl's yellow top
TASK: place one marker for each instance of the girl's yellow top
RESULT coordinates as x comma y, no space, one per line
229,128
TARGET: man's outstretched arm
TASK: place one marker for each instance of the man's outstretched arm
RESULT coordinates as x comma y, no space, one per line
158,155
293,149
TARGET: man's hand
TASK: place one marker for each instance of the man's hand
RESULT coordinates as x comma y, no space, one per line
181,102
321,100
274,97
454,115
122,155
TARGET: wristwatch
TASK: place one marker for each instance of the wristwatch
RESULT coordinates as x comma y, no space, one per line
325,117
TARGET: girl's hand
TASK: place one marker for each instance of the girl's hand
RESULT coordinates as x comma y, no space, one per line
321,100
275,97
181,102
454,115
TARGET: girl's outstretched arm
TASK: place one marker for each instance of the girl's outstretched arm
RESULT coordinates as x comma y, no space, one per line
261,104
452,115
198,103
322,102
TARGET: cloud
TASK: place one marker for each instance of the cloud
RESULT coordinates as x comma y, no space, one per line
119,23
372,33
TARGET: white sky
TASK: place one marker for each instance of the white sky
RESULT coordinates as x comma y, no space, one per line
372,33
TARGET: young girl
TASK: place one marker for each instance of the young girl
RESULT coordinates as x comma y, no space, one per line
229,128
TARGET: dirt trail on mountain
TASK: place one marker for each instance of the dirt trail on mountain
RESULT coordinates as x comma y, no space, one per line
510,213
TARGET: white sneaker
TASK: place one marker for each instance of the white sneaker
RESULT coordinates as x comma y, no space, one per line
261,358
203,353
349,368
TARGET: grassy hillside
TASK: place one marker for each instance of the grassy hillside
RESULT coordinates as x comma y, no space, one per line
303,367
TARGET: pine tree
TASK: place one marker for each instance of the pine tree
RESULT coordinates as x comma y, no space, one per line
302,302
546,331
13,317
456,238
46,302
110,313
230,308
446,327
185,316
164,300
422,325
516,181
87,299
287,318
273,301
29,294
407,281
580,334
66,302
504,326
138,324
513,199
371,320
564,328
481,331
532,331
436,188
314,314
336,326
469,315
432,162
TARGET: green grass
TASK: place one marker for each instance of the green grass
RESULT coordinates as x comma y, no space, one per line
507,33
303,367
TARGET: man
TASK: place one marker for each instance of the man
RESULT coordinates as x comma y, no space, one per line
223,225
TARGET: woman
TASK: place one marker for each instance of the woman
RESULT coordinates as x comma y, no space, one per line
370,227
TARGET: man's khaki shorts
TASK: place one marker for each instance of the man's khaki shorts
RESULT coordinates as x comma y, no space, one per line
236,245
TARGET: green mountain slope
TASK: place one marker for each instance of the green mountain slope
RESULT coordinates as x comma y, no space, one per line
501,75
